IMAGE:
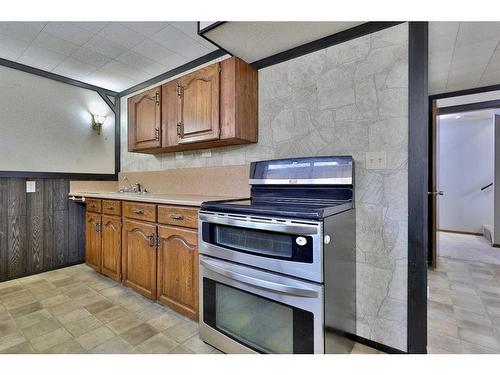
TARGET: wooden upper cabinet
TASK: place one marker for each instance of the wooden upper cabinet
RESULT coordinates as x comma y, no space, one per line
144,120
139,257
111,247
93,240
178,269
198,105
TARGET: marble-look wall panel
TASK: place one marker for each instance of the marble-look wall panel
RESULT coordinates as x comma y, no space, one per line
347,99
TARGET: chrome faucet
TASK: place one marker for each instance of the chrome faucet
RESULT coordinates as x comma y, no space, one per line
135,188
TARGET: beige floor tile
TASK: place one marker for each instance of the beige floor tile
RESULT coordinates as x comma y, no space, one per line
82,326
474,337
198,346
158,344
26,309
124,323
47,341
447,327
63,308
138,334
33,318
181,350
95,337
182,331
8,328
41,328
115,291
73,315
469,348
2,308
362,349
22,348
97,307
11,340
68,347
114,346
18,299
451,344
55,300
111,314
150,311
164,321
7,290
5,316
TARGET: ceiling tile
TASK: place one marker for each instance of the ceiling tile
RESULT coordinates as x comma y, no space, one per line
177,41
54,43
26,31
15,46
140,62
87,56
105,47
145,28
110,79
189,28
68,31
74,69
41,58
127,71
121,35
93,27
475,32
158,53
8,54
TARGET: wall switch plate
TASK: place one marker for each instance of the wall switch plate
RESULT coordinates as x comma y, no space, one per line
179,155
376,160
30,187
206,154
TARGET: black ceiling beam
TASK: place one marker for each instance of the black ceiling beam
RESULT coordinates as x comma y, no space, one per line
55,77
476,90
490,104
327,41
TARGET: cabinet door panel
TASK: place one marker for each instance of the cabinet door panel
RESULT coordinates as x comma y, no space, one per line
93,240
111,246
144,120
178,269
139,257
198,111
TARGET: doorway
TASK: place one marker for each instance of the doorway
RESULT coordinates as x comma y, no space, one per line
464,266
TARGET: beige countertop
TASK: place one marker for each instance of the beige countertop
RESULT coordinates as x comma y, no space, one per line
176,199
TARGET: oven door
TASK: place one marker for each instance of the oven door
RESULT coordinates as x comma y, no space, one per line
244,310
285,246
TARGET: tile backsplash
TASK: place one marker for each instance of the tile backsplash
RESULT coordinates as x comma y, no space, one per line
351,98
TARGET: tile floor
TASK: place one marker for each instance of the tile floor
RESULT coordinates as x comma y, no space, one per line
77,310
464,300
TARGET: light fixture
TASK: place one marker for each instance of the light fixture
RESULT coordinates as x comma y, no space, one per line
97,121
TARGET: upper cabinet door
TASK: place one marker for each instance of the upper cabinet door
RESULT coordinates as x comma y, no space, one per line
144,120
198,105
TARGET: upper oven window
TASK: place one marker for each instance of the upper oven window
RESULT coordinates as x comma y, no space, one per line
260,242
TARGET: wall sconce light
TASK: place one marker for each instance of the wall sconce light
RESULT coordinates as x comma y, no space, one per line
97,121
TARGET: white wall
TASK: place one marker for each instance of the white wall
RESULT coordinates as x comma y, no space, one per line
466,163
45,126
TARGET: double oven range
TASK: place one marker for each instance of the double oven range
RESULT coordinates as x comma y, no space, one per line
278,270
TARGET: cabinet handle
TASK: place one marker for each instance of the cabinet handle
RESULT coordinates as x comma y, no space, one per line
110,208
177,217
157,98
157,134
138,211
179,129
98,227
154,241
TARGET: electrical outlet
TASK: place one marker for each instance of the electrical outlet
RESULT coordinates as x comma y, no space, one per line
206,154
30,187
376,160
179,155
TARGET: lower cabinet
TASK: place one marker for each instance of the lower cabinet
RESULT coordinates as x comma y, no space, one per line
178,269
139,257
111,231
93,240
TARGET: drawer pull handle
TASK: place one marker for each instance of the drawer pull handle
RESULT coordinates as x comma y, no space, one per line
177,217
110,208
92,206
138,211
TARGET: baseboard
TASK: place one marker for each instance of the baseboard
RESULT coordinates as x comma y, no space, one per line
460,232
375,345
496,245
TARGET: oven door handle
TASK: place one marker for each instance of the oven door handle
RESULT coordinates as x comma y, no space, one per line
289,228
262,284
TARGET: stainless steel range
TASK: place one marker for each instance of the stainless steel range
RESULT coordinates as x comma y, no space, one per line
278,270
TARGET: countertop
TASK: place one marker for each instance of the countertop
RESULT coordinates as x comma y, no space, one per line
175,199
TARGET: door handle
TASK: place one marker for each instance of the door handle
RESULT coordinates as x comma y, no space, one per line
440,192
262,284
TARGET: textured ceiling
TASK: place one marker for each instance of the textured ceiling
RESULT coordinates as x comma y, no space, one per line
463,55
113,55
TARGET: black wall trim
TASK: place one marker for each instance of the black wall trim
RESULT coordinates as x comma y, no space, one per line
206,29
57,175
55,77
375,345
328,41
469,107
476,90
418,154
179,70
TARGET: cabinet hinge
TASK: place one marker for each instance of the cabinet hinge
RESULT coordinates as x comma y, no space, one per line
157,242
157,134
179,129
180,90
157,98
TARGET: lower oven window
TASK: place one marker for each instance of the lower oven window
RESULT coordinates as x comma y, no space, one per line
264,325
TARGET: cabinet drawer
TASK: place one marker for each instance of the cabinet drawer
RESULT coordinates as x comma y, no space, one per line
111,207
180,216
139,211
93,205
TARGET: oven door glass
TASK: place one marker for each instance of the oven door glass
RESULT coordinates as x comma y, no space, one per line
262,324
260,242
